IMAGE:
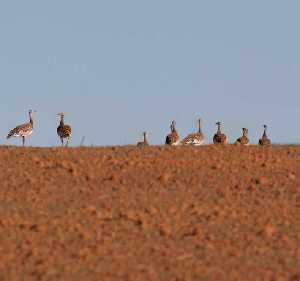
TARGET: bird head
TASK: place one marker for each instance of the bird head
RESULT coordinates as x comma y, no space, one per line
30,111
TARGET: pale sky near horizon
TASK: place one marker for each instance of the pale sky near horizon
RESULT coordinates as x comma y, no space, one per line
117,68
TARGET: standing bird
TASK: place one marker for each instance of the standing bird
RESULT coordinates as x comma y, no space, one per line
23,130
173,138
196,138
243,140
219,137
64,131
145,142
264,139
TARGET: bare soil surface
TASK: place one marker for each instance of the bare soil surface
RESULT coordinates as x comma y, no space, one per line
159,213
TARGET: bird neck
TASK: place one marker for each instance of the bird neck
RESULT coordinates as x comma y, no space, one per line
265,132
173,129
200,130
219,129
62,122
30,119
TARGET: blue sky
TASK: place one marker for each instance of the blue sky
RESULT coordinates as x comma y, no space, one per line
117,68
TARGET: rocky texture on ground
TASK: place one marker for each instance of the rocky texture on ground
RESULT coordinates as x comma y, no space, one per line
159,213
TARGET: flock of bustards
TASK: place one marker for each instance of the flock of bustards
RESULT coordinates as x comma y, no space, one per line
65,132
197,138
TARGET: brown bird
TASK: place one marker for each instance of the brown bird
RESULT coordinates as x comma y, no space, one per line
196,138
23,130
64,131
264,139
243,140
219,137
173,138
145,142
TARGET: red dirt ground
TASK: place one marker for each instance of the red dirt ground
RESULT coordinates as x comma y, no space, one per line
159,213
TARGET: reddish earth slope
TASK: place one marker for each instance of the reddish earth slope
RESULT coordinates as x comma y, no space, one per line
174,214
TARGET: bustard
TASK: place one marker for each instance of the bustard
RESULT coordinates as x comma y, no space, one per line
196,138
145,142
173,138
219,137
243,140
64,131
264,139
23,130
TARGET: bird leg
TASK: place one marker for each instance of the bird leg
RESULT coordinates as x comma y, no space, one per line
67,144
62,141
23,141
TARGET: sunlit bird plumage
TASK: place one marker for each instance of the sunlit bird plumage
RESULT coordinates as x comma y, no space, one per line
173,138
219,137
243,140
264,141
64,131
23,130
195,138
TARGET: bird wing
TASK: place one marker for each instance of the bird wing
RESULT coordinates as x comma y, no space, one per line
264,141
242,140
20,130
238,141
172,138
64,131
219,138
193,138
142,144
223,138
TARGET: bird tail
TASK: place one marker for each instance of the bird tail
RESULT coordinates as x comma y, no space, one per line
10,134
